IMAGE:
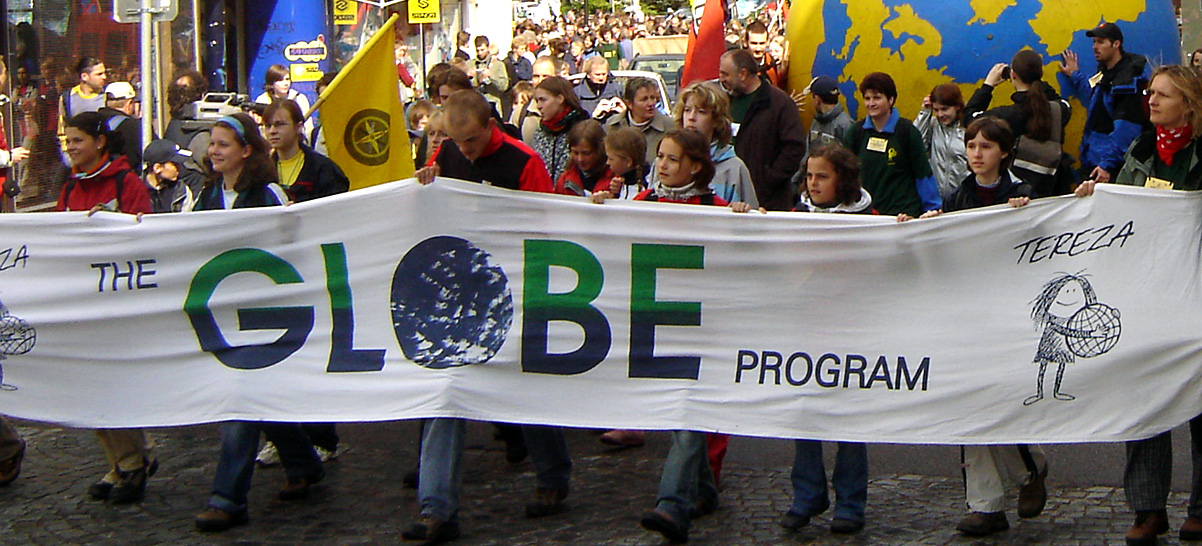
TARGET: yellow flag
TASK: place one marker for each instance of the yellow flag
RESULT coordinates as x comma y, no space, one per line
362,117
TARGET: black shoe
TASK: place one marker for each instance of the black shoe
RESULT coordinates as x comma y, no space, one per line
1033,496
793,521
704,508
132,485
664,524
515,442
100,490
10,468
979,524
547,502
846,526
215,521
432,531
298,488
409,480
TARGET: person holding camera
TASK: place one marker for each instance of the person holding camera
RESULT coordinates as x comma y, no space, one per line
597,86
639,108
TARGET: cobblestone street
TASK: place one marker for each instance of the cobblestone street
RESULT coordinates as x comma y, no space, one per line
362,502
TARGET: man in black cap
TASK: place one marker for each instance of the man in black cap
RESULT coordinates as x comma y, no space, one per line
1115,101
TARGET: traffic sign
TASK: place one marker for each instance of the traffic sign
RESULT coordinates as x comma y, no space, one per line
129,11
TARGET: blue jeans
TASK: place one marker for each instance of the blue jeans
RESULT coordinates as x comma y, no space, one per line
549,453
439,467
240,444
850,480
687,477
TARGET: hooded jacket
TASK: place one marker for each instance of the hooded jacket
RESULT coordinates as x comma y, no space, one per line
86,190
863,205
732,180
967,197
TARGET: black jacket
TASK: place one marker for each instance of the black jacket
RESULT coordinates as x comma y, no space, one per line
966,196
771,142
318,177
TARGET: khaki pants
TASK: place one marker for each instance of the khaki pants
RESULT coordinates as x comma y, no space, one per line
988,468
126,449
10,439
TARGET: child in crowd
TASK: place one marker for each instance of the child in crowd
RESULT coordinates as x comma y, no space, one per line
684,171
705,108
832,184
587,171
523,93
435,134
625,149
990,145
172,183
943,135
417,117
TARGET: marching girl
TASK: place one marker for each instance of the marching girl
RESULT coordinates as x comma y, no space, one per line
832,185
990,143
683,172
102,179
245,177
587,169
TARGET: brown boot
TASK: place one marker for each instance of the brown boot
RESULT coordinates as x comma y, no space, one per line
1149,524
979,524
1191,529
10,468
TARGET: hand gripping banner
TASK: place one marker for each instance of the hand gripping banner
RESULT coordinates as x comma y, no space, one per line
1069,320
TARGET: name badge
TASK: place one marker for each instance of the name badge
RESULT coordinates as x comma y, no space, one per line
1158,183
734,129
877,144
1093,82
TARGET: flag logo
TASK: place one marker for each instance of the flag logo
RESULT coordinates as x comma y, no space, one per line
367,136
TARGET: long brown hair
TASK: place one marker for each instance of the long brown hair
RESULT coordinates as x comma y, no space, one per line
1027,66
696,147
559,86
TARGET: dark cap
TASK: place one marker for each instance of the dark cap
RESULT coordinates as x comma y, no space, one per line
823,85
162,150
1109,31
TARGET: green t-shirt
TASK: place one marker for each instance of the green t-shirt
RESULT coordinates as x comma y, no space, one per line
611,53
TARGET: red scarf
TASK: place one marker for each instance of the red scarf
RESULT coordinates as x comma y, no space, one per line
1171,141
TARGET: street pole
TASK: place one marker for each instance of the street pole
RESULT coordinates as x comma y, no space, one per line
147,23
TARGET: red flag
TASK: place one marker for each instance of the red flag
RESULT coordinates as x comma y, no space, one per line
706,44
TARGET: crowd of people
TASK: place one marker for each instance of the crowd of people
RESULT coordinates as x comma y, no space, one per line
737,142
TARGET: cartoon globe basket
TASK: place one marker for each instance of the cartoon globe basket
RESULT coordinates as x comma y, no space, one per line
1074,325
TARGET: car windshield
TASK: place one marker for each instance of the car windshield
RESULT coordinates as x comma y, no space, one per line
667,67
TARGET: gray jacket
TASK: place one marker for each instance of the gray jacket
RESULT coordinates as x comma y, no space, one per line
945,148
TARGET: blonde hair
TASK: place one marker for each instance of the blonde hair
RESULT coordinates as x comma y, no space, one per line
1188,82
711,98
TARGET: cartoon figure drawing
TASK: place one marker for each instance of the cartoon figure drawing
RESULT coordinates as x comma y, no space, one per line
1074,325
17,337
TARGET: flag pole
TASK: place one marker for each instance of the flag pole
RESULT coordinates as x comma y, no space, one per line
379,35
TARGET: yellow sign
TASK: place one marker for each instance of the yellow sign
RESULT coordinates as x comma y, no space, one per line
424,11
346,12
305,72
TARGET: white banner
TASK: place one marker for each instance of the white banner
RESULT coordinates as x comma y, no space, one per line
463,300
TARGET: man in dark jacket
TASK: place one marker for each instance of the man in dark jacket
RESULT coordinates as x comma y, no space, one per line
1114,99
768,134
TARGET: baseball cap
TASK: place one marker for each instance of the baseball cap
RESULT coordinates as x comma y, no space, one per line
161,150
1109,31
120,90
822,85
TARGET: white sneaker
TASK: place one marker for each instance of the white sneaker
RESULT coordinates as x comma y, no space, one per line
268,456
325,454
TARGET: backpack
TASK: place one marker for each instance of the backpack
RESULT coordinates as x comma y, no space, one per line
120,180
1041,156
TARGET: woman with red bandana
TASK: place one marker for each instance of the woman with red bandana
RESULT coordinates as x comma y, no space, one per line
1167,157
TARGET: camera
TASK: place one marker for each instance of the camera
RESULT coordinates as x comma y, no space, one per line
202,114
1006,73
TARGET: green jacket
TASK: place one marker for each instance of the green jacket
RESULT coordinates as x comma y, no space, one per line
1142,162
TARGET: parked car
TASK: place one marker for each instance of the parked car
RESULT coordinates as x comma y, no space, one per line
668,65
